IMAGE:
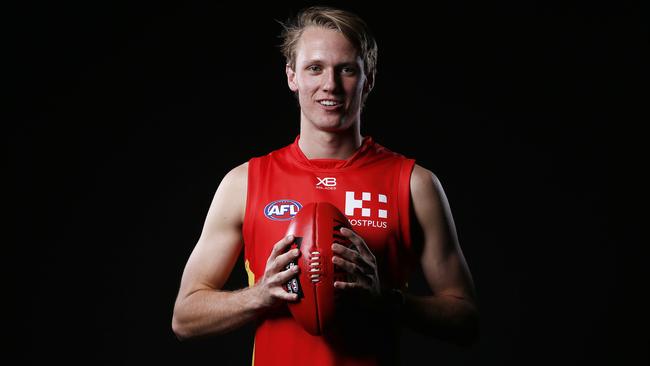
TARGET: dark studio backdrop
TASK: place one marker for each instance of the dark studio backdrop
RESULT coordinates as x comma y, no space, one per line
130,115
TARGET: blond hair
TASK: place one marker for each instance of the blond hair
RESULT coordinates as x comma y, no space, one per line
349,24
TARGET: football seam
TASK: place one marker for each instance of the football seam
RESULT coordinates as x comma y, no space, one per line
315,241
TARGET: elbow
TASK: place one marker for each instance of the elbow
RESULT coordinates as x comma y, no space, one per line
181,328
178,329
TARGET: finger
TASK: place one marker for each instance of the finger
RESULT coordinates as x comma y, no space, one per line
281,278
345,252
281,246
346,285
359,280
281,262
349,267
356,240
353,256
282,294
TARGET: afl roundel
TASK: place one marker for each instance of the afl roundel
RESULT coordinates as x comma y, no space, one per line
282,210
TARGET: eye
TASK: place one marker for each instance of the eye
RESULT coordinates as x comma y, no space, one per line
314,68
348,70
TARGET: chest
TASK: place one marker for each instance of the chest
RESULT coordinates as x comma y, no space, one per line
367,197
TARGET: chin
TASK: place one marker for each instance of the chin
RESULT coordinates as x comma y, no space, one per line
333,126
330,124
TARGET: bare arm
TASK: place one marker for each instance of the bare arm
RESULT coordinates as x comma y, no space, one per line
201,307
451,312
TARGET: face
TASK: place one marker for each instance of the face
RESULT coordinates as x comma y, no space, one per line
329,80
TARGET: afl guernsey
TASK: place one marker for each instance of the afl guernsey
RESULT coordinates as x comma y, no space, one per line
372,189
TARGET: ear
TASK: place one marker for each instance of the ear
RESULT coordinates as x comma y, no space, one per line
369,83
291,78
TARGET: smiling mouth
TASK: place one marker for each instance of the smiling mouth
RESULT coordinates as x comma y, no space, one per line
330,102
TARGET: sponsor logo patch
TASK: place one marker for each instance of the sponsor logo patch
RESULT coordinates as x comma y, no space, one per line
326,183
373,211
282,210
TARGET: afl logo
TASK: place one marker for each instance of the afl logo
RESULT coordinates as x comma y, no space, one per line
282,210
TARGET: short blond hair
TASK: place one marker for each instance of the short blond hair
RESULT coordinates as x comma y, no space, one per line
349,24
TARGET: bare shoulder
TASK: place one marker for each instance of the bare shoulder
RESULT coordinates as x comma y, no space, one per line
432,211
425,184
231,192
237,176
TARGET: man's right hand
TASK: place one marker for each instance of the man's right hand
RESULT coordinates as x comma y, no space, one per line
271,285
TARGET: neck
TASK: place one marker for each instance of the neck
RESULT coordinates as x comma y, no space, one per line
318,144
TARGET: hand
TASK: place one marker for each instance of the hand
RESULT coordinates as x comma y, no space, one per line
359,263
271,285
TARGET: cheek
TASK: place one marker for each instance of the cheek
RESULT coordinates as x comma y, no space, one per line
354,87
307,83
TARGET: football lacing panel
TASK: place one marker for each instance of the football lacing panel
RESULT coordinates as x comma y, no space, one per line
314,267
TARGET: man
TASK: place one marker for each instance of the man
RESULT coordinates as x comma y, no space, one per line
389,199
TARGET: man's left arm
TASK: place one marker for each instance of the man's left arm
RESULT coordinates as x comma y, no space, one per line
450,313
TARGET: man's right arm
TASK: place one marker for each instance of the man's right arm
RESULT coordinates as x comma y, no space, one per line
201,307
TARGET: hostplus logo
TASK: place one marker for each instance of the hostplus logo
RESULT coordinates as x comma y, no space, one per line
372,210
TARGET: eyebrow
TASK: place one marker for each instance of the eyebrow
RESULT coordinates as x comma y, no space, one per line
319,61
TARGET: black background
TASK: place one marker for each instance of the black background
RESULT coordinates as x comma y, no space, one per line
128,116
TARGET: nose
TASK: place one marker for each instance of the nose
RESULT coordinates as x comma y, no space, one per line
331,82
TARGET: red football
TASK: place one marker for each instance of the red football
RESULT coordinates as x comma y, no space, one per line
315,227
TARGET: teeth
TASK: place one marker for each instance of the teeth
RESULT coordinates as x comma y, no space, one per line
328,103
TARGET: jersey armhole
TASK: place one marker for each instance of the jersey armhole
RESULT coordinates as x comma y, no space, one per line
249,216
404,202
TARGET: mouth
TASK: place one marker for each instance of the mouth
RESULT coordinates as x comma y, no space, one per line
330,104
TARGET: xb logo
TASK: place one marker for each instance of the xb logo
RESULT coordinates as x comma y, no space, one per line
326,183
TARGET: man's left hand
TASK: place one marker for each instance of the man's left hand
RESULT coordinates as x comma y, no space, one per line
359,263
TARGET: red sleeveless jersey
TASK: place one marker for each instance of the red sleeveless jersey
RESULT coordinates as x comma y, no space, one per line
372,189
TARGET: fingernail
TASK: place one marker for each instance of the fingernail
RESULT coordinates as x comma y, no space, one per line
290,237
295,252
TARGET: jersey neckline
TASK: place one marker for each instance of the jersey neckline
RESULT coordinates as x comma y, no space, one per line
329,164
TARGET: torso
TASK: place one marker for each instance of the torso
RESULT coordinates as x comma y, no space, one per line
372,189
